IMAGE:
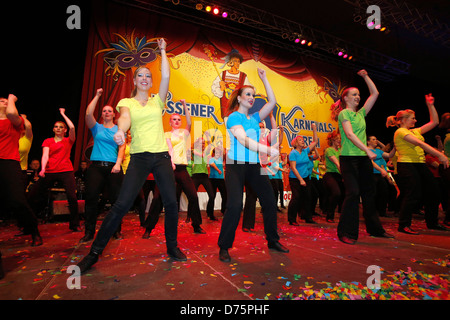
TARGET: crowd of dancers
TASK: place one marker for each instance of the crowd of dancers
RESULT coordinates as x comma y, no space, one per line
132,155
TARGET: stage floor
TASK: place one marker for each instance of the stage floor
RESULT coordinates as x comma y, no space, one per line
318,266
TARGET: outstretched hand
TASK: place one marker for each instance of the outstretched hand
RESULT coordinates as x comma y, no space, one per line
362,73
162,44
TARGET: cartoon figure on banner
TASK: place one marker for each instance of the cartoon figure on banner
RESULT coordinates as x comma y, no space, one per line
229,80
129,53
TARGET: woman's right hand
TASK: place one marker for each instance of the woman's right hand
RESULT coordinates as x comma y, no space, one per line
372,155
119,137
443,160
42,173
99,92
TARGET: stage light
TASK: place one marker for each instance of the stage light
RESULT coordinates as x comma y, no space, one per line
225,14
340,54
199,6
297,40
208,9
303,41
383,29
216,10
350,58
309,44
345,56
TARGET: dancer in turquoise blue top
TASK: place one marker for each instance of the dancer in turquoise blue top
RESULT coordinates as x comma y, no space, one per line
243,165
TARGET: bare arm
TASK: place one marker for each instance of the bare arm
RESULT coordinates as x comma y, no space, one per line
372,90
90,119
187,113
293,164
11,111
44,160
124,124
120,156
348,130
240,134
28,127
70,124
427,148
434,118
165,71
271,100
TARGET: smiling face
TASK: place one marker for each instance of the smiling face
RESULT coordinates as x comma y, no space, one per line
143,79
352,98
372,142
408,121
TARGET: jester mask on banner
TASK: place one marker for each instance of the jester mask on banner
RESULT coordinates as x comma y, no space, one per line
205,77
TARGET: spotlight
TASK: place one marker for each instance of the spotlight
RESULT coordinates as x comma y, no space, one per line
297,40
340,54
303,41
309,44
350,58
225,14
199,6
208,9
345,56
216,11
383,29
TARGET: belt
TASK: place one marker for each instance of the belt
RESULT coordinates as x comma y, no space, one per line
104,163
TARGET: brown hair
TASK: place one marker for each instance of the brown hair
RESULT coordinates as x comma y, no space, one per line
332,136
394,121
233,103
134,92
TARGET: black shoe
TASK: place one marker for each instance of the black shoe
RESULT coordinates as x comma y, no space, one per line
439,227
347,240
146,234
384,235
407,230
36,239
199,230
87,237
224,256
212,218
277,247
75,228
310,221
176,254
87,262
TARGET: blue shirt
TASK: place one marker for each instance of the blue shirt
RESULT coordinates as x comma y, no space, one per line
213,173
379,160
251,126
302,163
278,173
104,149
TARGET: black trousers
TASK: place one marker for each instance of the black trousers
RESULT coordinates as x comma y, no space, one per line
141,165
13,194
203,179
300,203
40,192
219,184
417,183
335,192
234,180
99,179
357,174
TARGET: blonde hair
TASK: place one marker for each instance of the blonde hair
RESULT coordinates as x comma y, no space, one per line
394,121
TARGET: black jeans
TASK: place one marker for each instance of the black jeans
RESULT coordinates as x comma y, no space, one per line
40,192
357,174
300,203
234,180
335,191
141,165
203,179
13,194
219,184
98,179
417,183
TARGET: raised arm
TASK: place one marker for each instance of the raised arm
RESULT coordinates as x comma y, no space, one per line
271,100
70,124
187,114
28,127
372,90
165,71
11,111
313,144
90,119
434,117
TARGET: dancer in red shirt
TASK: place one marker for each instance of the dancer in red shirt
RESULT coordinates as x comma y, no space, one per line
56,166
